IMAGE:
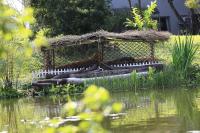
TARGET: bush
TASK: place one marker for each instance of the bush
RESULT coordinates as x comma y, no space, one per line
142,20
9,93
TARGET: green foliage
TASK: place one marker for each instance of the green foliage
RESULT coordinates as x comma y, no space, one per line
66,89
193,4
115,21
142,19
10,93
12,25
134,79
183,54
150,77
194,75
91,110
164,49
167,78
15,44
70,16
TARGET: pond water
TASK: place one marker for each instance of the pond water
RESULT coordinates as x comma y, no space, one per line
152,111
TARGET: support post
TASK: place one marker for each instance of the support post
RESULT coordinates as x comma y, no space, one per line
152,50
53,58
47,59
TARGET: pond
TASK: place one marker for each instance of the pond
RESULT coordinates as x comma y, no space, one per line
152,111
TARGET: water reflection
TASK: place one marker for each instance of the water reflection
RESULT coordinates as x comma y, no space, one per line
175,110
163,111
15,112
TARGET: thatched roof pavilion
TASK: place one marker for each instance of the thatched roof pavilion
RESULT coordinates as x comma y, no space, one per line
109,46
78,58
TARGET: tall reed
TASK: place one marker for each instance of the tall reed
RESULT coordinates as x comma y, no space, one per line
183,54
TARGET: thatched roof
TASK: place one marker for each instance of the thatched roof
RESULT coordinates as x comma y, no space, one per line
147,36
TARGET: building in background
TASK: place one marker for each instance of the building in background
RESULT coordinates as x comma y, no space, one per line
165,15
16,4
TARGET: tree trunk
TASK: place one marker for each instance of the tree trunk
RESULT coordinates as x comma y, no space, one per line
130,4
195,22
139,5
176,13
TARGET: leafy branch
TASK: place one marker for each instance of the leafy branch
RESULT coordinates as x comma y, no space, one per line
142,19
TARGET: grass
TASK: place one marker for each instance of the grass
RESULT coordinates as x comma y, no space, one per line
159,80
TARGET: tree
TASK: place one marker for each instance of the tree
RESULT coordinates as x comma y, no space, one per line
15,43
130,4
178,16
176,12
70,16
193,5
139,5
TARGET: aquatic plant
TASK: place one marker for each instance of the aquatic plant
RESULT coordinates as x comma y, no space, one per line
153,80
134,79
183,54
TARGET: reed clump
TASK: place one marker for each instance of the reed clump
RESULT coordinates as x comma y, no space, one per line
183,55
163,79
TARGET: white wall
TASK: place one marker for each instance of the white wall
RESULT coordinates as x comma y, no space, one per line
16,4
121,3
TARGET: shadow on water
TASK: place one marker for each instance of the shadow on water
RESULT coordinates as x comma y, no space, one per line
175,110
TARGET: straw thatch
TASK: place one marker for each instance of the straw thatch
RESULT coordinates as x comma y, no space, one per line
146,36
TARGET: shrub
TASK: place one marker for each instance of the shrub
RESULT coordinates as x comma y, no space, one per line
142,19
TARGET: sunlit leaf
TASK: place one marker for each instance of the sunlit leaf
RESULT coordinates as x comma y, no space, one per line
117,107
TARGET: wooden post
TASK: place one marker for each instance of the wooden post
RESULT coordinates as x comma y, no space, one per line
103,43
53,58
99,51
44,54
102,51
47,59
152,50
